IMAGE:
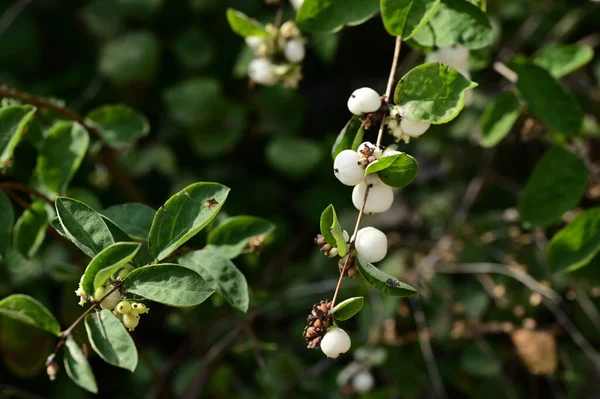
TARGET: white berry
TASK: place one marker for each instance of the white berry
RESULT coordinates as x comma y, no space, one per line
111,300
364,100
346,236
297,3
371,244
414,128
347,168
294,51
254,42
262,71
379,200
363,381
335,342
372,179
333,252
367,146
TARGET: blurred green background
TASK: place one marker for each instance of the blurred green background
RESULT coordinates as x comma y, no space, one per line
179,64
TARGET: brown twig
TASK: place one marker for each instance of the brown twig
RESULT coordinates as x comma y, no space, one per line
388,90
107,156
26,189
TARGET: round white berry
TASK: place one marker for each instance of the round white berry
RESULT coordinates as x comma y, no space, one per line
372,179
367,146
131,320
364,100
294,51
111,300
414,128
254,42
379,200
333,252
297,3
371,244
262,71
348,169
335,342
363,381
346,236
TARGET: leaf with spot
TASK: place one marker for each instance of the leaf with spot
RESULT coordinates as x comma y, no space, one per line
110,340
384,283
184,215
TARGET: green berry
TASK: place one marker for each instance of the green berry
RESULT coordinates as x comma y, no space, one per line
131,320
123,307
99,293
139,308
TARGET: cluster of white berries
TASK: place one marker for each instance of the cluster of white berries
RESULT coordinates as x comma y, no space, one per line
403,128
128,312
278,56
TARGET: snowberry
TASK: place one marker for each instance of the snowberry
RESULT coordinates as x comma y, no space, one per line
364,100
131,320
123,307
371,244
347,168
111,300
346,236
294,51
254,42
372,180
414,128
139,308
380,198
366,148
297,3
333,252
363,381
335,342
392,124
262,71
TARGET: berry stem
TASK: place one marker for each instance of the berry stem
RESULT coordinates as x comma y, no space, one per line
350,247
388,90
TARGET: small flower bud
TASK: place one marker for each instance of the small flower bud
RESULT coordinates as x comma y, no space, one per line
52,370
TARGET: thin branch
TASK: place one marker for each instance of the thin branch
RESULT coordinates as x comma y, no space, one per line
425,344
106,155
18,392
551,299
26,189
588,307
388,90
505,71
12,13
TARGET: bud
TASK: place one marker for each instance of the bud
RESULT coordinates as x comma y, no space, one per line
52,370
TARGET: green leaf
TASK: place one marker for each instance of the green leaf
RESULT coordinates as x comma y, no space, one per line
295,157
460,22
61,155
561,59
322,16
130,59
56,225
231,237
7,218
184,215
119,124
385,283
134,219
547,99
27,310
400,173
13,123
556,186
83,226
404,18
352,133
243,25
107,263
432,93
194,101
575,245
499,118
221,275
332,230
194,48
348,308
110,340
77,366
381,163
30,228
169,284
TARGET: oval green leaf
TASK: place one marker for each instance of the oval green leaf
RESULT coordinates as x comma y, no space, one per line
243,25
169,284
556,186
7,218
107,263
547,99
133,218
221,274
432,93
231,237
83,226
385,283
404,18
295,157
348,308
575,245
561,59
119,125
194,101
184,215
13,121
399,173
320,16
499,118
30,228
110,340
332,230
77,366
27,310
61,155
351,133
